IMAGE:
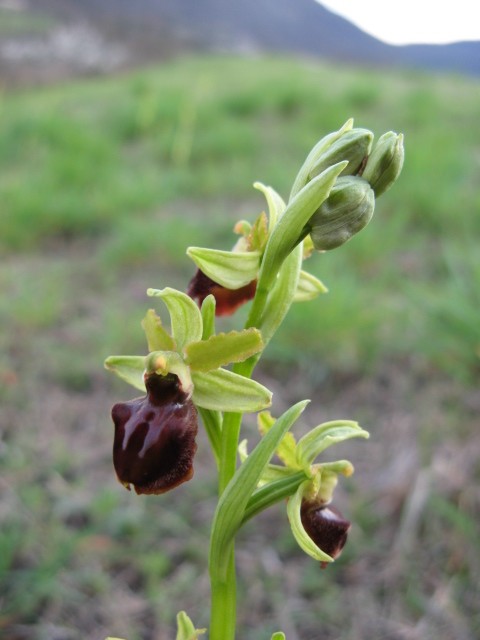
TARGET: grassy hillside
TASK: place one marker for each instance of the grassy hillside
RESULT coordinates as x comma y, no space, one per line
103,184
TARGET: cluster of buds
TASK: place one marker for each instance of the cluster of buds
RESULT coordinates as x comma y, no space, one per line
332,199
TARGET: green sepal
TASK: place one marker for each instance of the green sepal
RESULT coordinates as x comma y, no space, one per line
185,316
315,154
276,205
231,269
128,368
223,390
233,501
323,436
208,316
223,349
308,287
186,629
301,536
158,338
278,635
286,448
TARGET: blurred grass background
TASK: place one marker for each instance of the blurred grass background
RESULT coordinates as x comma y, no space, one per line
103,185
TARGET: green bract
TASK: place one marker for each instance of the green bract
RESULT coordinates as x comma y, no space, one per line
314,156
233,502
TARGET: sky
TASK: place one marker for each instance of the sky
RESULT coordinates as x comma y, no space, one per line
412,21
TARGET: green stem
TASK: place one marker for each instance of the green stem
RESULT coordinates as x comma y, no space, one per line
224,592
232,423
224,597
223,603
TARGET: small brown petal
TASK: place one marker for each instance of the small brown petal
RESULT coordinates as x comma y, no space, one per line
154,441
326,527
228,300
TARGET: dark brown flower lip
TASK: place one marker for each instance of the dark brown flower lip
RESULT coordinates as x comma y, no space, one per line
227,300
154,443
326,526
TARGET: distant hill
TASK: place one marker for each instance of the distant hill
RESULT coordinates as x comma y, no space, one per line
153,27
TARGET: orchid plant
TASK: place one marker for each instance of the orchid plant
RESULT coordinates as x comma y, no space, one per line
184,374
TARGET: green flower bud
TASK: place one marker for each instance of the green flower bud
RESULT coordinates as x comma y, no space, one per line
345,212
385,163
354,146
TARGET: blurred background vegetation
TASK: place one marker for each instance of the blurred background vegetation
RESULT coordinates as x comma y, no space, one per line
103,184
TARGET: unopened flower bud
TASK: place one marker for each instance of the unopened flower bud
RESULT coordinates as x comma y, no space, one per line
326,527
154,441
354,146
385,163
345,212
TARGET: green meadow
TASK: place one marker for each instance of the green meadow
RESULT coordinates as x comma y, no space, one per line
104,183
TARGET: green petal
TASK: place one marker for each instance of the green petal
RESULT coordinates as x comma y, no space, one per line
308,288
208,316
222,390
233,501
231,269
185,316
323,436
301,536
158,338
129,368
276,205
223,349
278,635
